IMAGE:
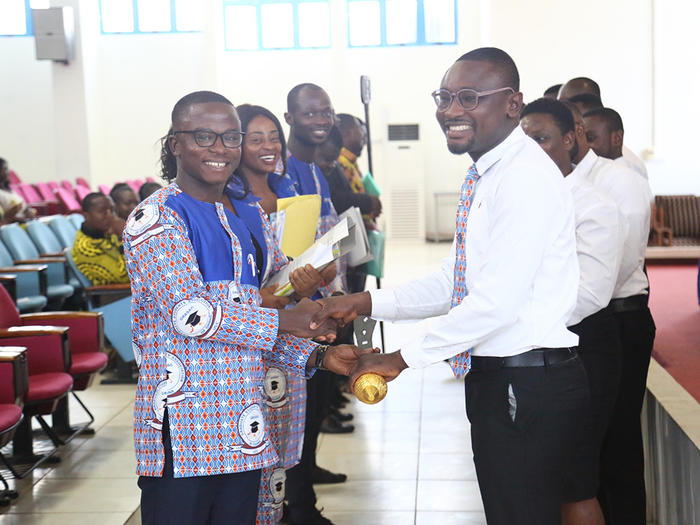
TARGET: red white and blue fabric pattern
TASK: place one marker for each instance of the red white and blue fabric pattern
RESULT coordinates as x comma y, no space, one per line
461,363
200,335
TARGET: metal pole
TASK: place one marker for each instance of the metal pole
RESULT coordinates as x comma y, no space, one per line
365,95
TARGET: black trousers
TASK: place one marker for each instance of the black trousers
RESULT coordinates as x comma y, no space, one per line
226,499
523,421
600,352
622,491
301,498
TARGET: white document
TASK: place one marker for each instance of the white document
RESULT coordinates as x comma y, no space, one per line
360,252
324,251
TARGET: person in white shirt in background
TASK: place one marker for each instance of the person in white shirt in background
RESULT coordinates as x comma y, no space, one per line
622,491
580,85
599,242
506,293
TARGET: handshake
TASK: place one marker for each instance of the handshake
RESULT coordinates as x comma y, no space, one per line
320,320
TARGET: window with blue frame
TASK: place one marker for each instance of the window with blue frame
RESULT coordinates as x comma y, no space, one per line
16,16
276,24
151,16
401,22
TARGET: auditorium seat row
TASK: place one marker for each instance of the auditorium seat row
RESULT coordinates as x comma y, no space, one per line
60,197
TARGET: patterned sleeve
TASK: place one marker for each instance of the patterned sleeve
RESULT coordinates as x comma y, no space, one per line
162,262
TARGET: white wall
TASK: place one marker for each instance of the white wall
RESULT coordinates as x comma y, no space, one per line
133,81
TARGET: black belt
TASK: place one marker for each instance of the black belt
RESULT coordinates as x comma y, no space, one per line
629,304
533,358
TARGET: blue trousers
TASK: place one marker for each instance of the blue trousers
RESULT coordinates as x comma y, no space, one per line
229,499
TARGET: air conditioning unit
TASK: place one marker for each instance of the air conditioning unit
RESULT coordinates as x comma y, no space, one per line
404,163
54,33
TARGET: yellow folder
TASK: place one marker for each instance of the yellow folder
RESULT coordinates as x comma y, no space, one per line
296,223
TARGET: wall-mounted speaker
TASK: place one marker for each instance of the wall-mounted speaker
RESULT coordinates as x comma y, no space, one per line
54,33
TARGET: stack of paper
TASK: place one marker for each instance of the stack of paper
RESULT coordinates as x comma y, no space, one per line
296,221
360,252
323,252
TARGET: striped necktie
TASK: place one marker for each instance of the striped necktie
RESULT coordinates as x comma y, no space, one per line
462,363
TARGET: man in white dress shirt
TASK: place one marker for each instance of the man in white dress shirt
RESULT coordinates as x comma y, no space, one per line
599,242
580,85
527,389
622,491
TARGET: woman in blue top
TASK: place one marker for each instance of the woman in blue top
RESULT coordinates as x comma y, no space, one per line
195,255
261,176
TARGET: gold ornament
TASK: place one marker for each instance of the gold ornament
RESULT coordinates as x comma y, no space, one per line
370,388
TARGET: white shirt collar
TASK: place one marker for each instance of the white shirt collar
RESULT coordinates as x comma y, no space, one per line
583,168
496,153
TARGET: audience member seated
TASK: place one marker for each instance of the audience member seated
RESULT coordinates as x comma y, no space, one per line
97,251
12,206
125,200
586,102
605,134
147,189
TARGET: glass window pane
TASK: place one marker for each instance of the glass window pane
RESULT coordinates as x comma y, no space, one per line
314,24
13,20
439,20
364,23
401,21
117,16
241,27
39,4
189,15
154,15
277,25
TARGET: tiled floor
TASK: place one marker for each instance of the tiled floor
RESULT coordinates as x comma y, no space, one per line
408,461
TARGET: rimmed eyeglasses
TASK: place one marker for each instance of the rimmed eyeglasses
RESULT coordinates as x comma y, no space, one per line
467,98
206,138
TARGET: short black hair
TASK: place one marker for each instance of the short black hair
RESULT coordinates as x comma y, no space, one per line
499,58
552,90
612,118
554,108
196,97
117,189
293,94
147,188
346,121
592,84
89,200
335,137
589,101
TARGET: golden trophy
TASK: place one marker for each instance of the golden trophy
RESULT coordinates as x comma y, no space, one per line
370,388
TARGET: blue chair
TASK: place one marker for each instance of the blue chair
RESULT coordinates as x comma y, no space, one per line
64,230
30,282
77,219
24,251
48,245
114,301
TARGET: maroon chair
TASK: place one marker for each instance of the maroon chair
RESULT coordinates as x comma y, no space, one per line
14,382
85,341
49,361
67,200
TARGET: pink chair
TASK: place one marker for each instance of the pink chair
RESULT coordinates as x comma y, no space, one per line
67,200
14,178
82,191
104,188
53,185
135,185
80,181
150,179
35,200
67,185
47,194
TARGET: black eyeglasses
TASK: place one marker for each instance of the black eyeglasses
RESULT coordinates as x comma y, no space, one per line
206,138
467,98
